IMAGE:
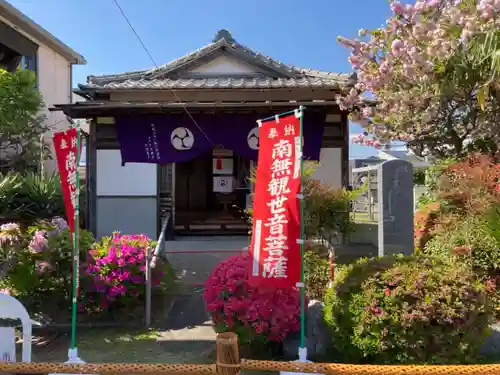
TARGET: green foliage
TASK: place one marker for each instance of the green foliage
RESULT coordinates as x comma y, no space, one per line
415,309
326,210
419,177
471,242
21,125
10,184
30,196
435,171
316,274
475,242
424,221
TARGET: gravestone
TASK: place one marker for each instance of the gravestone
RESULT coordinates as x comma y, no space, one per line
395,199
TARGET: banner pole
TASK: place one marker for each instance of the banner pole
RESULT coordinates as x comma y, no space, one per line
302,352
280,114
73,357
76,238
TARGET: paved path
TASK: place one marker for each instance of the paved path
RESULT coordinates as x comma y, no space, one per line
195,263
188,329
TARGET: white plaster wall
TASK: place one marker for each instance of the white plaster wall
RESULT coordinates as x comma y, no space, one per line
132,179
54,83
330,168
224,65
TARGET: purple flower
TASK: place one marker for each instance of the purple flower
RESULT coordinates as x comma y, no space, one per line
117,290
60,224
137,279
42,266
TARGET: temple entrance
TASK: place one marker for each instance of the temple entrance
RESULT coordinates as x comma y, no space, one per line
211,191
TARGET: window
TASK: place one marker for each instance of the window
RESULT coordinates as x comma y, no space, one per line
30,63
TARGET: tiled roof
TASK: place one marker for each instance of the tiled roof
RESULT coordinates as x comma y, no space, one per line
221,83
167,76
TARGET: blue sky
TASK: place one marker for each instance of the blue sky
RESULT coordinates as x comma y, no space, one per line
301,33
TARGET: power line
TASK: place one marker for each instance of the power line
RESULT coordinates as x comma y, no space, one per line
157,67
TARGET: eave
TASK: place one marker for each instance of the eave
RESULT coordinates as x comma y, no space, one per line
95,109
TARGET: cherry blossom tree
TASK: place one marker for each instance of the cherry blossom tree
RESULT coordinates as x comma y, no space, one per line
434,72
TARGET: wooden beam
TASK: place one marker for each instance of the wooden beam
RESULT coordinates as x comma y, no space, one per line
109,109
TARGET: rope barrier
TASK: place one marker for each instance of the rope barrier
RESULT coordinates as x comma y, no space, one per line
345,369
246,365
105,368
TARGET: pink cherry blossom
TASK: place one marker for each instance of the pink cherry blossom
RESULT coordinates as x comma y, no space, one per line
399,63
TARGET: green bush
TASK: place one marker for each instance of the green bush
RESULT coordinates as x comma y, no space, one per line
415,309
471,242
316,274
41,267
326,209
474,242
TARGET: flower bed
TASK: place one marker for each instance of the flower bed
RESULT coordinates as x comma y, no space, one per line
257,315
38,270
116,270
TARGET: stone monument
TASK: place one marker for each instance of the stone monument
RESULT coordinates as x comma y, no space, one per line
395,207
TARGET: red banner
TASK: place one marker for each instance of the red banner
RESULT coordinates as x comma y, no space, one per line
276,208
65,144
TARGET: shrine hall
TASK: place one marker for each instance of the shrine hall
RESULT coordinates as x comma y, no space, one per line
181,139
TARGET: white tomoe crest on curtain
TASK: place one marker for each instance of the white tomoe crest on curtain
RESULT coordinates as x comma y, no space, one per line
182,138
253,138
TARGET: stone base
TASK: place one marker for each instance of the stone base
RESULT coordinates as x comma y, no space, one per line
302,352
73,359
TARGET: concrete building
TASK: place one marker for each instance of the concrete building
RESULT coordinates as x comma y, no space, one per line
25,44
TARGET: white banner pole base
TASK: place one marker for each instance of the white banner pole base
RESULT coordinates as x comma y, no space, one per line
73,359
303,359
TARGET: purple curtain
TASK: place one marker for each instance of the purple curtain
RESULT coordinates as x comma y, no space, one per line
175,138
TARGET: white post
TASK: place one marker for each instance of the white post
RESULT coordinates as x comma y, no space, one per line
148,287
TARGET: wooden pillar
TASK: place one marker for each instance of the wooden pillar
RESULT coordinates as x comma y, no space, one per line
228,356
